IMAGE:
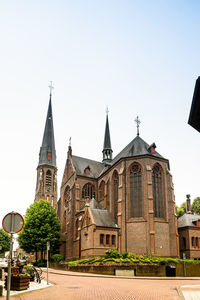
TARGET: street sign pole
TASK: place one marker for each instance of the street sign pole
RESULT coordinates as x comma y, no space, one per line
12,223
48,248
9,268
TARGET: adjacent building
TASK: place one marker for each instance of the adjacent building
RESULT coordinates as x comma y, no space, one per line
189,233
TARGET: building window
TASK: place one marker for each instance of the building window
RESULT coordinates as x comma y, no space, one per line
108,196
87,170
88,191
157,192
115,204
67,198
107,239
101,239
48,180
113,240
136,191
193,242
197,242
184,242
76,228
101,192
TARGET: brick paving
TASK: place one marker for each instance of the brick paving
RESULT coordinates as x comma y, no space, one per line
79,286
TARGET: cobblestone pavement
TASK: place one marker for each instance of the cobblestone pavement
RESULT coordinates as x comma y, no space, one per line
79,286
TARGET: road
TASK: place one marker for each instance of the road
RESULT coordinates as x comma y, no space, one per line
79,286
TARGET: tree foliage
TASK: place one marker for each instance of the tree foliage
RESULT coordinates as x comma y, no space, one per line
41,225
4,241
181,210
196,205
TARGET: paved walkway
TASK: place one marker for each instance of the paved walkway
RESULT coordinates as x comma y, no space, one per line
81,286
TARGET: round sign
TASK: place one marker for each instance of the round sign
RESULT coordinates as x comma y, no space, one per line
13,222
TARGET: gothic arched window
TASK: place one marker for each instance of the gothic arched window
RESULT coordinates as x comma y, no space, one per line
101,192
157,182
115,204
67,198
48,180
136,204
108,196
88,191
76,228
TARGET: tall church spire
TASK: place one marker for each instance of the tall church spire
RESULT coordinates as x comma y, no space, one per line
46,185
47,154
107,150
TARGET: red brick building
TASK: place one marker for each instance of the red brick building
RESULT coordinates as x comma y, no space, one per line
126,203
189,233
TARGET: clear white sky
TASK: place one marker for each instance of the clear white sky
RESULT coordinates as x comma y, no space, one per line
138,57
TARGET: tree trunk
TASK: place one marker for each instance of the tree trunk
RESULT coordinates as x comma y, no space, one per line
36,255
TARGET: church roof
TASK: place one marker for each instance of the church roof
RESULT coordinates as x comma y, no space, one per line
136,147
188,220
101,216
82,164
47,154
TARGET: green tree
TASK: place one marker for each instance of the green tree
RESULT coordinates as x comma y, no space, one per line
4,242
181,210
196,205
41,225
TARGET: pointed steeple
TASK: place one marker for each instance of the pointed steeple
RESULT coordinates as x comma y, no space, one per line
107,150
46,184
47,154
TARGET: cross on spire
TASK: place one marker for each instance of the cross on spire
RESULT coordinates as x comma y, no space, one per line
51,87
137,121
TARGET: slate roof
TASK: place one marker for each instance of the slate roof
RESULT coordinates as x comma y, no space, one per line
81,163
101,216
48,143
136,147
187,219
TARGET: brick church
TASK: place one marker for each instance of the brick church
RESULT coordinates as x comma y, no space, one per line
124,202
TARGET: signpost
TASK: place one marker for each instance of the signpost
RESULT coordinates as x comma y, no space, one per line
48,248
12,223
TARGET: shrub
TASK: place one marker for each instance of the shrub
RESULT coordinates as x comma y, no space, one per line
112,253
57,258
124,254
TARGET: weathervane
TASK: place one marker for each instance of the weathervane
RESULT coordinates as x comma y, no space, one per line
107,111
70,141
137,121
51,87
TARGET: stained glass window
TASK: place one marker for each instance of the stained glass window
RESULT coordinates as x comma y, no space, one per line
157,192
116,184
136,205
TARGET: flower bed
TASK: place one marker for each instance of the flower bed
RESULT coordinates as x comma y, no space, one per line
19,282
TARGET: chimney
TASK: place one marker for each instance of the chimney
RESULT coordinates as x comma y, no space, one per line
188,204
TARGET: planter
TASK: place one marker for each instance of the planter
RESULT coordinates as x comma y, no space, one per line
18,283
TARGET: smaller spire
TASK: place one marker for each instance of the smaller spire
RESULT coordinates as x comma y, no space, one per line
107,111
137,121
70,147
107,149
51,87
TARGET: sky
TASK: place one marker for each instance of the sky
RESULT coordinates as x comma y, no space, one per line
139,58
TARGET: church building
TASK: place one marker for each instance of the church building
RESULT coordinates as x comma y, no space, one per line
124,202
